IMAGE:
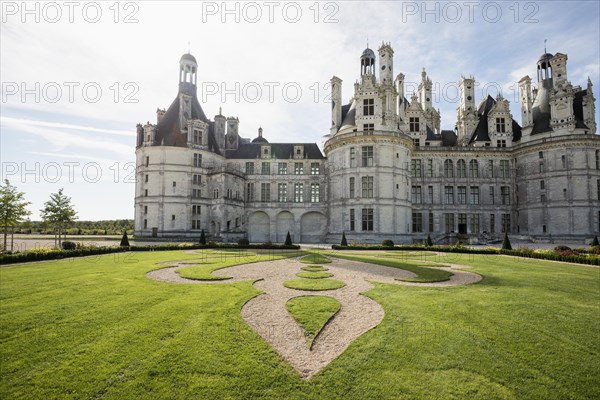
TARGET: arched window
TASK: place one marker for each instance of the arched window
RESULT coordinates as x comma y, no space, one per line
448,169
473,169
461,169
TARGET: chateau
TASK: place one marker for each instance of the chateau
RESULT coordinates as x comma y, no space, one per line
387,171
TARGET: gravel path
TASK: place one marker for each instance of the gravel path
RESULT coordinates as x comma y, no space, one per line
268,316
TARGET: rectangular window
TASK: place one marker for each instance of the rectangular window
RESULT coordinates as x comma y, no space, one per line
145,209
195,193
598,188
282,168
197,160
367,219
430,168
506,223
145,192
148,160
449,223
197,137
174,184
265,168
542,168
315,193
367,156
298,168
416,142
500,125
474,195
475,223
415,166
196,179
490,168
282,192
462,223
417,222
505,194
146,178
367,187
368,129
298,192
541,155
145,224
369,107
430,222
352,188
250,192
492,195
315,168
462,195
352,157
563,160
492,223
504,169
430,194
501,143
249,168
448,195
416,194
542,185
265,192
352,219
413,124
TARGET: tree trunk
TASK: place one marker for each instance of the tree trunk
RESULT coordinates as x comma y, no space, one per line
12,238
5,234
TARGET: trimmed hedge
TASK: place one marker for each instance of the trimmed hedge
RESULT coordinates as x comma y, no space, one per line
528,253
56,254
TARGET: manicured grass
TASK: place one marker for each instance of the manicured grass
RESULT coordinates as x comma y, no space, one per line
312,313
315,258
314,274
98,328
227,259
313,284
423,274
314,268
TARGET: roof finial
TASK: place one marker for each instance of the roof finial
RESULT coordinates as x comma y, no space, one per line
260,131
220,110
367,42
188,47
545,40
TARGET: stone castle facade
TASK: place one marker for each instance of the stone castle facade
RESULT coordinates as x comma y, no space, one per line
388,170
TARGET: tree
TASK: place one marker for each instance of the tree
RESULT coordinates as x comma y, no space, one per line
202,238
428,241
124,240
12,208
288,239
506,243
344,241
58,212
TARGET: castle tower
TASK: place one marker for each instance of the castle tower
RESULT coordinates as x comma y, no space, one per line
386,60
467,114
336,104
561,97
526,101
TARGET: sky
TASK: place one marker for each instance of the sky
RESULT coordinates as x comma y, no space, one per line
78,76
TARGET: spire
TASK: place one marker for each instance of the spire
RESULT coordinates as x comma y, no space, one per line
260,131
545,40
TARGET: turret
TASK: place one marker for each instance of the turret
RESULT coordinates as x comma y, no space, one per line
386,62
526,101
425,91
367,65
467,114
400,89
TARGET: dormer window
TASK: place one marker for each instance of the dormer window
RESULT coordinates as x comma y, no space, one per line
500,125
197,138
413,125
265,151
298,151
369,107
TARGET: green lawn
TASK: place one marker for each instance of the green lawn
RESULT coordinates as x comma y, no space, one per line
98,328
314,274
315,258
314,268
312,313
378,257
205,266
313,284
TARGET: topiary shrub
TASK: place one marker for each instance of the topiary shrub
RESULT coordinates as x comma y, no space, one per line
428,241
202,238
344,242
68,245
124,240
595,241
562,248
387,243
288,239
243,242
506,243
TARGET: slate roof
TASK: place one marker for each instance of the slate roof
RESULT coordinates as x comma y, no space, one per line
578,109
541,108
278,150
481,132
168,130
